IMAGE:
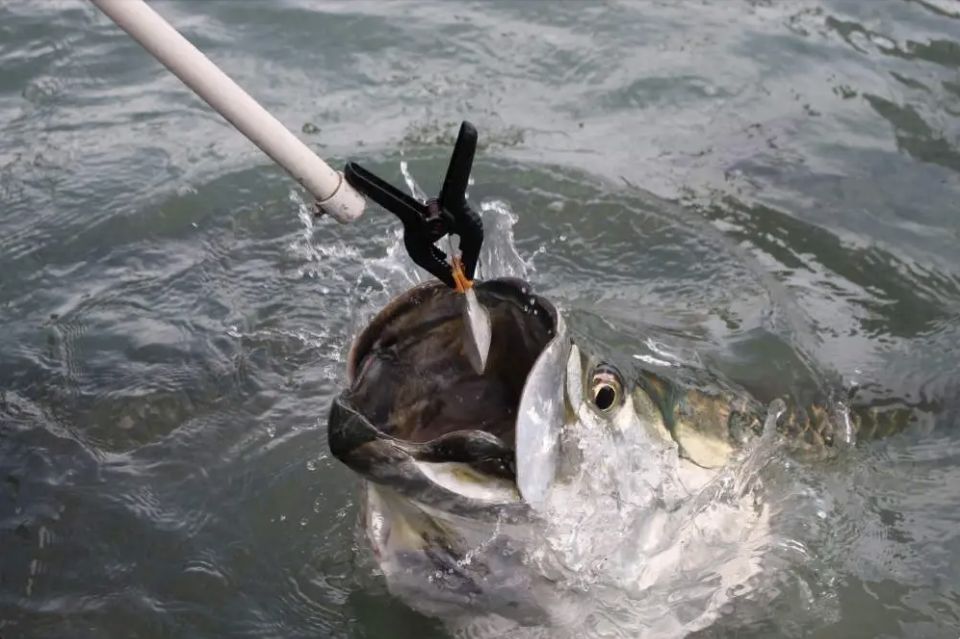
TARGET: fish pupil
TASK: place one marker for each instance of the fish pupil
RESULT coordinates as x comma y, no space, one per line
605,397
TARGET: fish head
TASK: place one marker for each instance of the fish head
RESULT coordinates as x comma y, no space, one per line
418,419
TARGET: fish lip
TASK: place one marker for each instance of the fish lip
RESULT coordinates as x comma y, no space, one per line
392,462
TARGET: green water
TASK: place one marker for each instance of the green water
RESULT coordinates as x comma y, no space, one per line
765,189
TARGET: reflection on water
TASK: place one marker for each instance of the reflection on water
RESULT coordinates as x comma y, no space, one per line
763,190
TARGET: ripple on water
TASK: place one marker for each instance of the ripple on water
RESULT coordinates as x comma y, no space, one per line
175,321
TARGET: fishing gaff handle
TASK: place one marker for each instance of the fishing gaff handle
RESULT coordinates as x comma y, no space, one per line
333,194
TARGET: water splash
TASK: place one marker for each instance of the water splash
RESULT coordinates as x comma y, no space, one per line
499,256
415,191
325,261
631,550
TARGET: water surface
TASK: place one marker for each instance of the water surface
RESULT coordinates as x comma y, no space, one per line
765,189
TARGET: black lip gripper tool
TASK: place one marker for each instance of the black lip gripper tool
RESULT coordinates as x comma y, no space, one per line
424,224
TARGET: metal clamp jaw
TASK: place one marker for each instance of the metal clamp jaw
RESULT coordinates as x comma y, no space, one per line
425,223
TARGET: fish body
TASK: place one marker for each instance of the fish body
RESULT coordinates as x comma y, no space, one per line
479,486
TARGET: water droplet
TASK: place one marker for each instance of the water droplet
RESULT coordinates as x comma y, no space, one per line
283,517
312,465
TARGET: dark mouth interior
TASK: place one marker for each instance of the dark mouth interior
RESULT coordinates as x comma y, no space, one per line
411,376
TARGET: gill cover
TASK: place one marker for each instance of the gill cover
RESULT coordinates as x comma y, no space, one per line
540,419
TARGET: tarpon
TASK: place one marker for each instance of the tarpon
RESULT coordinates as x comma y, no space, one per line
461,469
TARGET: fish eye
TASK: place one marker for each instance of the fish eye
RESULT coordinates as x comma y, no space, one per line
606,388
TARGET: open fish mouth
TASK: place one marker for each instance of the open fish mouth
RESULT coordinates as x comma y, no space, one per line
418,419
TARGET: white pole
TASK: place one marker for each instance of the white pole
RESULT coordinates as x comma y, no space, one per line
334,195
